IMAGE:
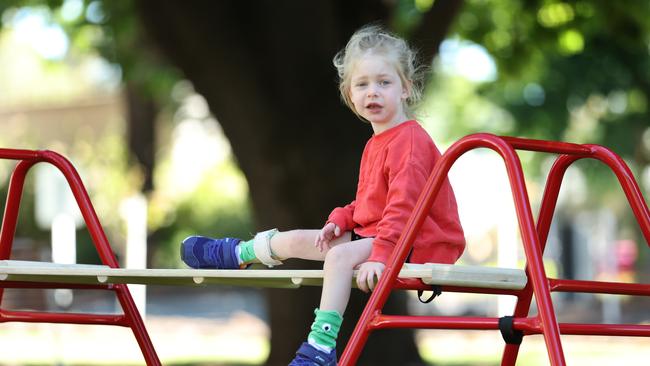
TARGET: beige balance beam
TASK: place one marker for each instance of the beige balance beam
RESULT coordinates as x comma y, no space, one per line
434,274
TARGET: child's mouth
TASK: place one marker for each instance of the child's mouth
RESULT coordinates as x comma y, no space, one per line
373,106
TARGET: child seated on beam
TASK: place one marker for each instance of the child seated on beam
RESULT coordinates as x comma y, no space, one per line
379,82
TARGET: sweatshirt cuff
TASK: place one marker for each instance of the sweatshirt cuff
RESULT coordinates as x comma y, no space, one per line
338,221
381,251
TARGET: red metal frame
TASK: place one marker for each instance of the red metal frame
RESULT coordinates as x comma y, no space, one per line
130,317
533,237
534,241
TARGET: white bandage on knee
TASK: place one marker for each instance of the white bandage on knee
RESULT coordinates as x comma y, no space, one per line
262,248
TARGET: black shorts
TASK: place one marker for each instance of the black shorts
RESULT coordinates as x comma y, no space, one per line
355,236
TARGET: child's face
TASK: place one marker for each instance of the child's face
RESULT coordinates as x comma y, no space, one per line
377,92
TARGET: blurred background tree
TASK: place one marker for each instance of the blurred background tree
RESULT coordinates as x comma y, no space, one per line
574,70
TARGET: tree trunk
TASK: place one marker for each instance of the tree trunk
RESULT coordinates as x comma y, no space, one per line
142,112
265,69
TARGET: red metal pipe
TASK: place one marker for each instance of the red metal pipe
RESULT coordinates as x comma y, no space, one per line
69,318
549,202
533,250
527,325
599,287
18,154
85,206
629,185
531,245
434,322
12,206
555,147
131,317
531,326
54,285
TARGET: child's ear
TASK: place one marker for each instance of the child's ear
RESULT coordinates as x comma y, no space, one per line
406,89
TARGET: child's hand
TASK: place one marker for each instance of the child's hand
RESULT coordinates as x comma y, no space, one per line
367,273
327,233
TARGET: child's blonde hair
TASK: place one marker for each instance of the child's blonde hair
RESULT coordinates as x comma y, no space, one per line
375,40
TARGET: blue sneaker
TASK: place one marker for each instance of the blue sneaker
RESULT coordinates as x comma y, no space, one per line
202,252
307,355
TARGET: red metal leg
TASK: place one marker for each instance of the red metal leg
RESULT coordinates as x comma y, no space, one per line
131,317
545,217
12,206
532,248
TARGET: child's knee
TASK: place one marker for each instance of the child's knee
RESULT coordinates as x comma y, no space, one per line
340,257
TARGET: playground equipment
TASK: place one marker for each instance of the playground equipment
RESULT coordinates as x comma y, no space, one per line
533,282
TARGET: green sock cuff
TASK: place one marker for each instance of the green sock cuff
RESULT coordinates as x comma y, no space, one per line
247,254
247,249
325,328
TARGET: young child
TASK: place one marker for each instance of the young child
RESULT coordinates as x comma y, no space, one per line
378,82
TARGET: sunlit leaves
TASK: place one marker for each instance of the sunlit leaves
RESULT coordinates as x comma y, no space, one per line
553,15
571,41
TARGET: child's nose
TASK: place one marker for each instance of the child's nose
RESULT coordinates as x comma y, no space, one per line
372,90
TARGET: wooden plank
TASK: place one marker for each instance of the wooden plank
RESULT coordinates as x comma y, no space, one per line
477,276
439,274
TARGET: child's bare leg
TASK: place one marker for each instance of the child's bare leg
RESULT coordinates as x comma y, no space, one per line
340,262
300,244
339,265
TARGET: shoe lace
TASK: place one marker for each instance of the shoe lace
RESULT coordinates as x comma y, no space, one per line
212,255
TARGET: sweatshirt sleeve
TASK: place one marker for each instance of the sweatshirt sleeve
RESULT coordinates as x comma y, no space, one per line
343,216
406,179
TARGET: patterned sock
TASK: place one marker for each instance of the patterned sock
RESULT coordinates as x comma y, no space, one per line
325,330
246,249
246,252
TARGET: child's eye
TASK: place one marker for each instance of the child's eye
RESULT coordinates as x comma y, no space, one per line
360,84
384,82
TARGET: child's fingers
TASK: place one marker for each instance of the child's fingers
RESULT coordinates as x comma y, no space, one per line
362,281
361,284
366,279
371,279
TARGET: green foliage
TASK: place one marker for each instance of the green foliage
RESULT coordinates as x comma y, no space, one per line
588,62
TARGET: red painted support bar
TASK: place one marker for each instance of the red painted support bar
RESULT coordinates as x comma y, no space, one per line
534,238
527,325
549,201
599,287
437,322
547,146
18,154
68,318
531,246
131,315
630,187
531,326
10,217
54,285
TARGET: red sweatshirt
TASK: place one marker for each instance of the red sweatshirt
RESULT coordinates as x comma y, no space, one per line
395,166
